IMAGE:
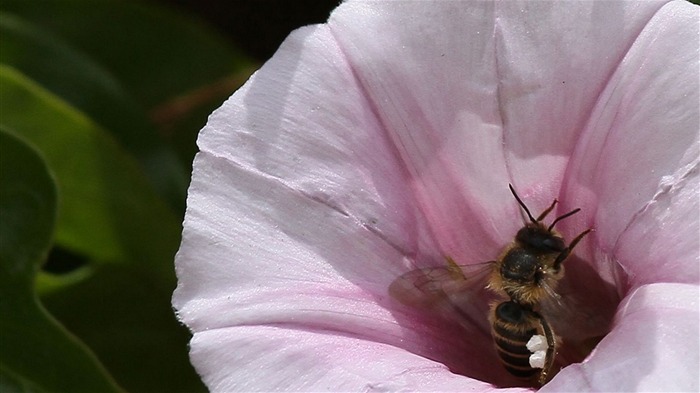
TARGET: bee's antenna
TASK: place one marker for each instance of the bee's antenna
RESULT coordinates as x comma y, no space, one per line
520,202
563,217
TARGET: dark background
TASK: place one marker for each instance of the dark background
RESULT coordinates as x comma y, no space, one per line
256,27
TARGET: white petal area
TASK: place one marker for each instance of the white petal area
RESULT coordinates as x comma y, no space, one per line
385,140
554,60
472,96
275,358
653,347
636,165
250,242
430,72
256,253
300,212
662,243
303,120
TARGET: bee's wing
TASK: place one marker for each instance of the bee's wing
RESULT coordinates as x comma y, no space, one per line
574,318
431,287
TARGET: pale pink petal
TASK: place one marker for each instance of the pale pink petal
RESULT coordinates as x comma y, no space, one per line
636,164
301,187
429,71
297,214
249,263
256,243
384,141
475,95
284,359
653,346
554,60
303,121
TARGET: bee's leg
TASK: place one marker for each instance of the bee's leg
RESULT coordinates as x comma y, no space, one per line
551,347
565,254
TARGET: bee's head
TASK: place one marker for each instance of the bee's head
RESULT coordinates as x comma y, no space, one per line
540,238
535,234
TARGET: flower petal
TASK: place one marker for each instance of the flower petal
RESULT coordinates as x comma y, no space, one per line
252,242
352,157
295,184
256,252
432,82
654,346
295,360
299,212
472,98
637,162
303,120
554,60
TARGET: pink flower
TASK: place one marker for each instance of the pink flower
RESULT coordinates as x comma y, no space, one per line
385,140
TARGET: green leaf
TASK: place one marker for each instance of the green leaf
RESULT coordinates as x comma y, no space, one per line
119,304
83,83
157,53
107,209
175,67
125,316
37,353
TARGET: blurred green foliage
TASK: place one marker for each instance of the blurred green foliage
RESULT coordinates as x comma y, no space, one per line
32,342
100,103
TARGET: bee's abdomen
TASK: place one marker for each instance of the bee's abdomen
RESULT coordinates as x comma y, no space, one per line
512,329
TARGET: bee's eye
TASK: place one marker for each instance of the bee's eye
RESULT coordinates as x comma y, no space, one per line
553,243
540,238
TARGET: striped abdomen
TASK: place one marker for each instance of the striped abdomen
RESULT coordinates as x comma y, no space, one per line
513,326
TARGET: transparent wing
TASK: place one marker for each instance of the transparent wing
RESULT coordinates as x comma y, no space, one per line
453,291
573,318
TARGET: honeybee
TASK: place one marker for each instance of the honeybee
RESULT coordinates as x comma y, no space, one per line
524,275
